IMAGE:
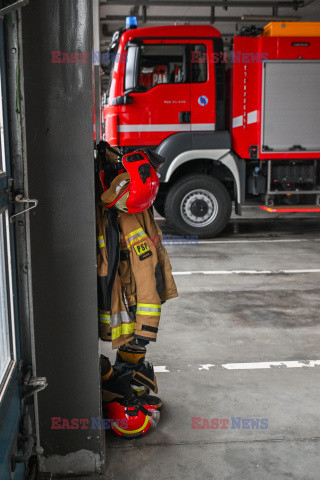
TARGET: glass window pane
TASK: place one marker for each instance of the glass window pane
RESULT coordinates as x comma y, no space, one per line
161,64
198,63
5,334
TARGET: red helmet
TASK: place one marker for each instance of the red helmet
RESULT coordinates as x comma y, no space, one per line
135,190
132,421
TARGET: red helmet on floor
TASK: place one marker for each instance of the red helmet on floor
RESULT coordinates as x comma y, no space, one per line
132,421
136,189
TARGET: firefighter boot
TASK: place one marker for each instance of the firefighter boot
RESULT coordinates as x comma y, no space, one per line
134,359
115,382
121,403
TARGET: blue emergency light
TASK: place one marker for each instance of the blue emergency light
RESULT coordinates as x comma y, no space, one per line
131,22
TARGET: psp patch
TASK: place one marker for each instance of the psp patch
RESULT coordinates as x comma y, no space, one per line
142,249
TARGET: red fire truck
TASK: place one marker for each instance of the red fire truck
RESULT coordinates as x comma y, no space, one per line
238,127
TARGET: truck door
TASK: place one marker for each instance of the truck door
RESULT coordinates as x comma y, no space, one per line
10,397
202,86
161,101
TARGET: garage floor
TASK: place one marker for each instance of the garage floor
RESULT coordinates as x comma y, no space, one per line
247,320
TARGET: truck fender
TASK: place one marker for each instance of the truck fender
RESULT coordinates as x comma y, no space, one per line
235,164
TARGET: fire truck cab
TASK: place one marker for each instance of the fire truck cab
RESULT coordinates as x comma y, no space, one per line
239,127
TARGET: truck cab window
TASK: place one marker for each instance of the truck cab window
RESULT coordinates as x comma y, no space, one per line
198,63
161,64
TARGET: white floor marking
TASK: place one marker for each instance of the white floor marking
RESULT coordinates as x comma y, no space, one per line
258,365
247,272
161,369
206,366
249,366
275,240
187,242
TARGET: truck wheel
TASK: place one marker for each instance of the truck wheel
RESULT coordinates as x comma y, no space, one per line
198,205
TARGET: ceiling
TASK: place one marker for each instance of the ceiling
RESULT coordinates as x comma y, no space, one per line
225,15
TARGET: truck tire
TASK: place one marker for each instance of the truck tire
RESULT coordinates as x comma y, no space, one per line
198,205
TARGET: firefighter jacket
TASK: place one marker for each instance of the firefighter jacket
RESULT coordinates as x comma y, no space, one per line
143,278
115,323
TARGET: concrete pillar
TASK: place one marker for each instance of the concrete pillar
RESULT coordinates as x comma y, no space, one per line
59,129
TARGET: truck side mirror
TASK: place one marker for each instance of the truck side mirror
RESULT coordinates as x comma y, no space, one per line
131,76
122,100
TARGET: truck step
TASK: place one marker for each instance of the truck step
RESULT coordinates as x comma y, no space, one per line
293,209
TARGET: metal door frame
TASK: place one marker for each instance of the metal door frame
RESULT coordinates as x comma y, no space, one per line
10,395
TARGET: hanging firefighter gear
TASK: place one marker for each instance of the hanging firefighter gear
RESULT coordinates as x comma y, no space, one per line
130,297
134,280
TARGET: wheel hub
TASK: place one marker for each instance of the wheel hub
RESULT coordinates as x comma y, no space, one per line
199,208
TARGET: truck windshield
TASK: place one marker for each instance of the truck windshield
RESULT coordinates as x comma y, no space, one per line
110,74
108,59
